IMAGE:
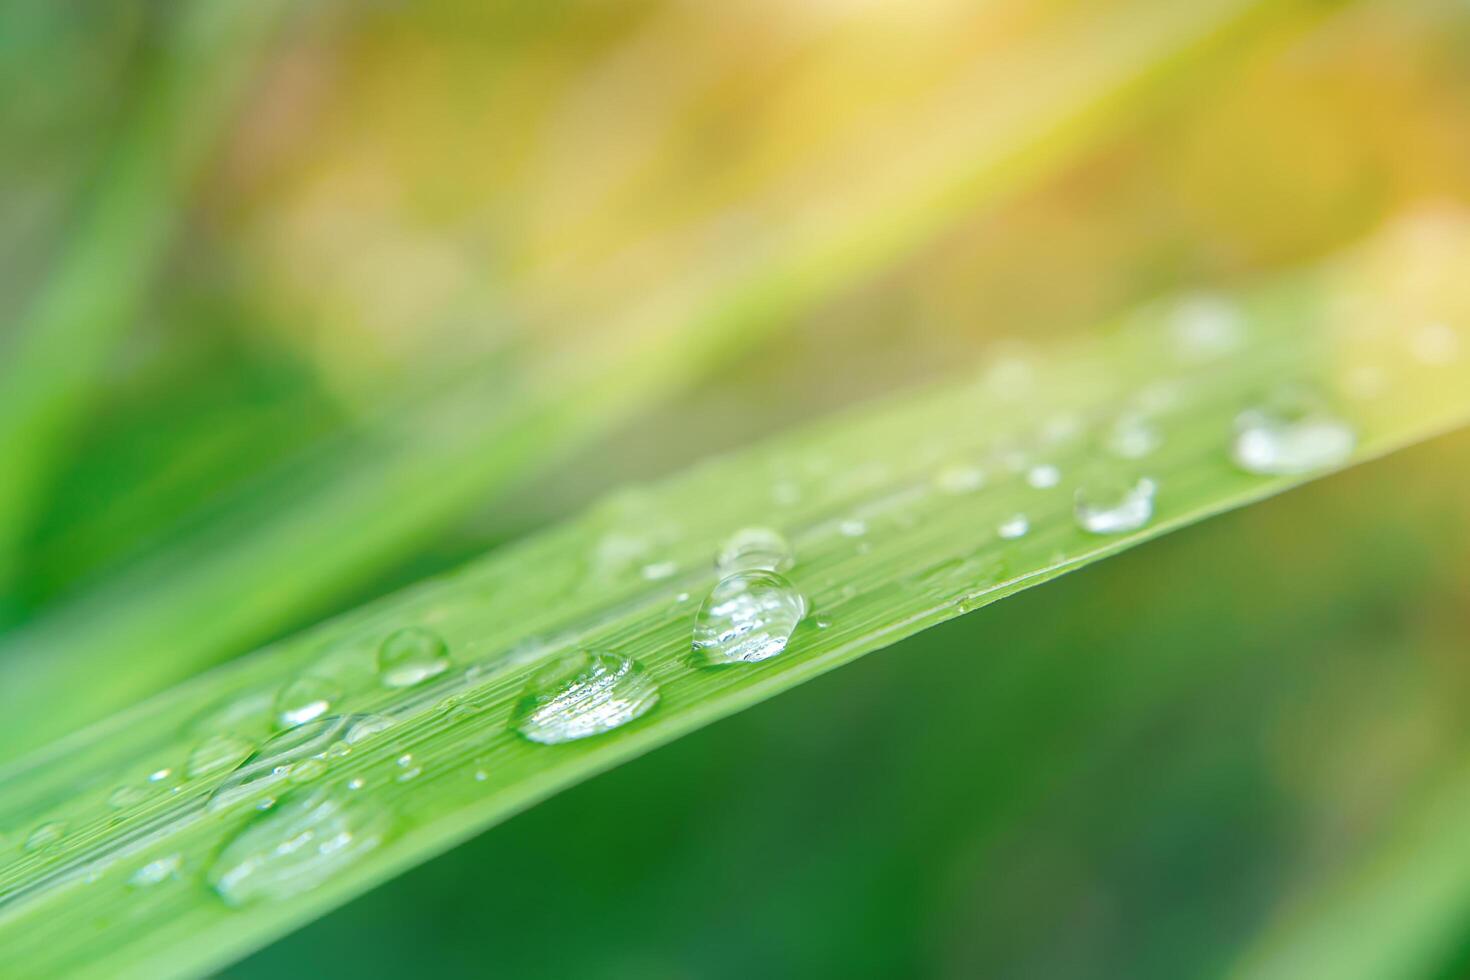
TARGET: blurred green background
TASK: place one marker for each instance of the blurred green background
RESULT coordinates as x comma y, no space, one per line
305,302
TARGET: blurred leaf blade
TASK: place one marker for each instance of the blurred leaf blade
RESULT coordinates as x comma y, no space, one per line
119,239
883,551
307,532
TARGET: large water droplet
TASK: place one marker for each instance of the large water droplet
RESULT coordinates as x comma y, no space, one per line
305,699
755,548
411,655
218,753
283,755
748,617
1293,433
581,694
289,850
1114,506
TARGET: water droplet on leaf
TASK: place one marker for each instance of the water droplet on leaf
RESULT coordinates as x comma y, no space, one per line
748,617
1114,506
410,656
755,548
312,836
581,694
1014,527
304,700
1293,433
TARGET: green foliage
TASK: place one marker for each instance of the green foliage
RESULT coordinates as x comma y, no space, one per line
892,532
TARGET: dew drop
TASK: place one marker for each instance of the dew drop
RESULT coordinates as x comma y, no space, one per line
1292,434
748,617
581,694
312,836
45,835
356,783
1043,476
1013,527
304,700
411,655
157,872
755,548
1114,507
159,775
853,528
959,479
278,758
218,753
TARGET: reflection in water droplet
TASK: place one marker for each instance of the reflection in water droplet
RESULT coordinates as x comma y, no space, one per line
157,872
1292,434
411,655
1114,507
304,700
45,835
1043,476
959,479
1014,527
312,836
218,753
1132,436
281,756
748,617
581,694
755,548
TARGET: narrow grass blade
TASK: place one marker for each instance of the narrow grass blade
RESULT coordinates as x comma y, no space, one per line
134,851
308,532
120,237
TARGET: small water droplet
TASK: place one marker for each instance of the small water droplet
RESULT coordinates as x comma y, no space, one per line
959,479
129,795
304,700
410,656
218,753
157,872
1132,436
853,528
279,757
1014,527
823,623
748,617
659,570
45,835
1435,344
481,775
1293,433
581,694
1114,506
312,836
356,783
1043,476
755,548
159,775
